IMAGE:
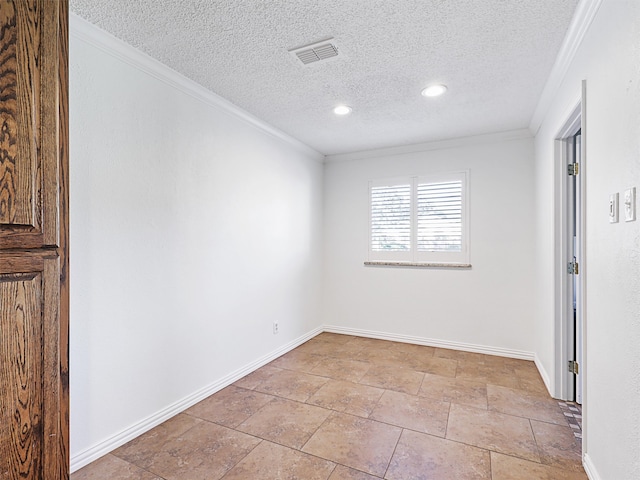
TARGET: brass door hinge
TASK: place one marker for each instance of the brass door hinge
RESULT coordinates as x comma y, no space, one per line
573,169
573,367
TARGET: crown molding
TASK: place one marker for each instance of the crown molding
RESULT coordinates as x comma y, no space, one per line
582,19
428,146
104,41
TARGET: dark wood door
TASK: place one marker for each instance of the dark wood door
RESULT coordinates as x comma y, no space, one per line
34,301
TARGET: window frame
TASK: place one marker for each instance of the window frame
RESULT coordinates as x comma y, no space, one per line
413,256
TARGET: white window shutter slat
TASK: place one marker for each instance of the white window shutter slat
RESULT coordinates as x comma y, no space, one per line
391,218
440,217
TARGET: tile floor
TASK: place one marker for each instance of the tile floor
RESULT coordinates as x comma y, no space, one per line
340,407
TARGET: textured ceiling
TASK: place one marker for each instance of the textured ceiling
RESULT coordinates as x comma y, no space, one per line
494,55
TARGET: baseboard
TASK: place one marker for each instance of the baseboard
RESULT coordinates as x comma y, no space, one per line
590,468
430,342
94,452
543,373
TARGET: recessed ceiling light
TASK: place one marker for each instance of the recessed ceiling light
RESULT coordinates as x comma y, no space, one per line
434,90
342,110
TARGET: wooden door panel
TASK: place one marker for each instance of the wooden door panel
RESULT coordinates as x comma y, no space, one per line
34,288
30,423
17,152
29,157
21,374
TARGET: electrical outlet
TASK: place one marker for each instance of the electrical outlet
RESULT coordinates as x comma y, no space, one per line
276,327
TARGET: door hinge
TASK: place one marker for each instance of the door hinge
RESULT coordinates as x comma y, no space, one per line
573,367
573,169
573,268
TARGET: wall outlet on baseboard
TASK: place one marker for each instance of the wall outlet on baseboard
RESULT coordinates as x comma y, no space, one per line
276,327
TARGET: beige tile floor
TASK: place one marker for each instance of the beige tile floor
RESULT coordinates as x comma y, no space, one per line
342,407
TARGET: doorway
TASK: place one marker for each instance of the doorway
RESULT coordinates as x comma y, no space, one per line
570,259
574,254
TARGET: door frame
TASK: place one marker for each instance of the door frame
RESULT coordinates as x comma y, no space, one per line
564,331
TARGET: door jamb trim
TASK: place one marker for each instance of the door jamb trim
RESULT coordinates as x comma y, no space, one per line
563,387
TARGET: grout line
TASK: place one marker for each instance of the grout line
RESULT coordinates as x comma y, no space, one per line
137,466
393,453
446,428
535,440
490,465
248,453
424,376
384,390
318,428
335,467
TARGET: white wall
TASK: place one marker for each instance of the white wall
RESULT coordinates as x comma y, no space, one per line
192,231
487,306
609,61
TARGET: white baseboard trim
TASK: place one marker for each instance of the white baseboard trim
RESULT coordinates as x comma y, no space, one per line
100,449
543,373
590,468
430,342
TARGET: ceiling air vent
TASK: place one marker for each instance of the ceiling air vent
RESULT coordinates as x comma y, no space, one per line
316,51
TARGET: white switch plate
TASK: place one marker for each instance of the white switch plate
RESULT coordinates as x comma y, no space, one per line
630,204
613,208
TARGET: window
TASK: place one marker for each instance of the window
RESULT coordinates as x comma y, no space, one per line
419,219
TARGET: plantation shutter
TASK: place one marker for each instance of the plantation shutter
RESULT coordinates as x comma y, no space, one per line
421,220
439,212
391,218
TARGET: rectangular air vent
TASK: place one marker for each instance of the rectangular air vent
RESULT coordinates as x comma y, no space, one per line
316,51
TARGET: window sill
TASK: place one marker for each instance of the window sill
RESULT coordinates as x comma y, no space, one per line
418,264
